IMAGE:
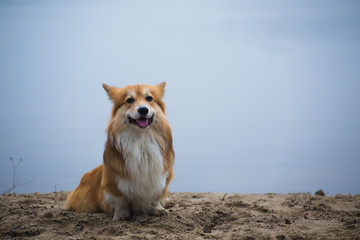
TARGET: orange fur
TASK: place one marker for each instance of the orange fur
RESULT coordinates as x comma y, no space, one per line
101,188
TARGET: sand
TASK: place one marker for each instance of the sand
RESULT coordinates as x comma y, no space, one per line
190,216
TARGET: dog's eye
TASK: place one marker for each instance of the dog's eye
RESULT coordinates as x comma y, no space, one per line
130,100
149,98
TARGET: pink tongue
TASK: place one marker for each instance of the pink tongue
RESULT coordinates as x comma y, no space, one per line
142,122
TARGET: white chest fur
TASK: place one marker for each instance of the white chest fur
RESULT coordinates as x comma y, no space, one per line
144,164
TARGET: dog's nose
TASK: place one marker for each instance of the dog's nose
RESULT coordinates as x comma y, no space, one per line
143,110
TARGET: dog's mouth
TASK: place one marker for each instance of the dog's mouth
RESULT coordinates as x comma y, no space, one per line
142,122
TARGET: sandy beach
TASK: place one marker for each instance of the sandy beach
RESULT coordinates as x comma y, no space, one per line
190,216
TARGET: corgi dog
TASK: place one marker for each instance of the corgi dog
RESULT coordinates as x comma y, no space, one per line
138,158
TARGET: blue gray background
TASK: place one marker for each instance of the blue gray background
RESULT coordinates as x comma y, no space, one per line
262,96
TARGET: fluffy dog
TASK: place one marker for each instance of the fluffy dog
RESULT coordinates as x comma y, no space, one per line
138,157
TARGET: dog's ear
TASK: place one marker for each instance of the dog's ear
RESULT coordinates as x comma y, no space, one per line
161,88
106,87
110,91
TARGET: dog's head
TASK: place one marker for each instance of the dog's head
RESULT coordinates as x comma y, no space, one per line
137,106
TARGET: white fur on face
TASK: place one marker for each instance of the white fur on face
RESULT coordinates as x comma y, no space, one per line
144,164
134,114
146,91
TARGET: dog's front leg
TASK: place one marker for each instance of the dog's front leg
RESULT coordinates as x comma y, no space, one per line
119,206
122,210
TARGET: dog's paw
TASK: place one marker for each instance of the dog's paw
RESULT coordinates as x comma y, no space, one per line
157,209
157,212
166,203
121,214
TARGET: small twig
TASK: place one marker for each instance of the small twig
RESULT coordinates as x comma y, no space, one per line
9,190
26,183
16,183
